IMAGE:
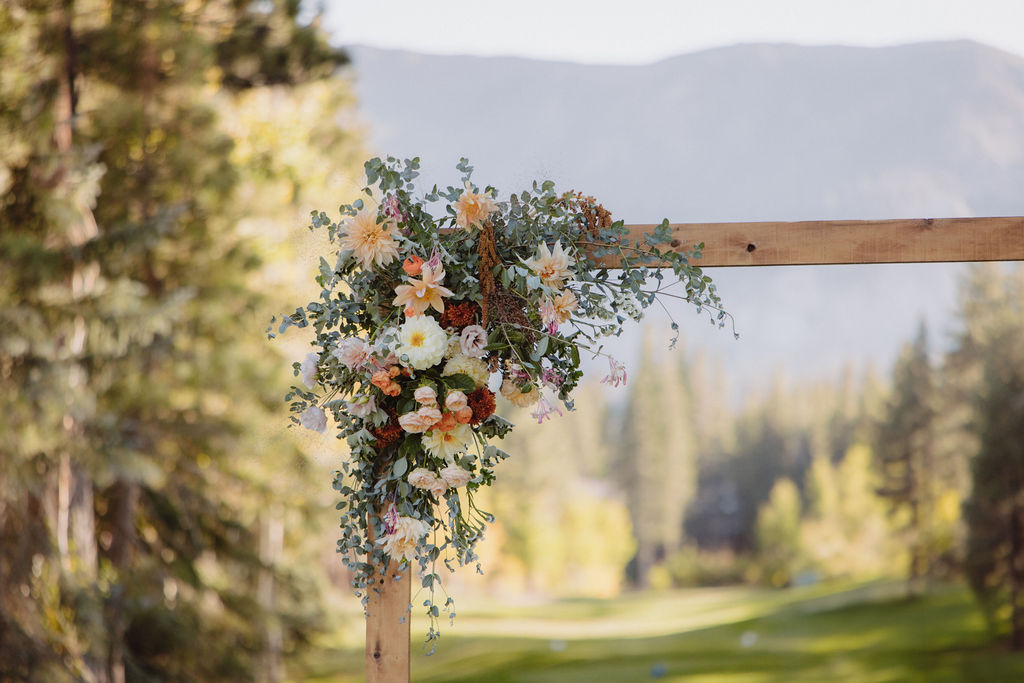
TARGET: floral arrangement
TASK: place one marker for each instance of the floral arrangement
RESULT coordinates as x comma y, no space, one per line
434,305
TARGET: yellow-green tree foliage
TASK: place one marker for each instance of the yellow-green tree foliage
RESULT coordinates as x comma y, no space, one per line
656,460
145,525
846,532
564,528
778,533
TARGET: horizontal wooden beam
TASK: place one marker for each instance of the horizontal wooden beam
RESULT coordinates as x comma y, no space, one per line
912,240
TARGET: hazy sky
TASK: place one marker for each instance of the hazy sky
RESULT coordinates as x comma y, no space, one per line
637,31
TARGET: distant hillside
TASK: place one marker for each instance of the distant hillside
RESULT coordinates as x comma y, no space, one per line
751,132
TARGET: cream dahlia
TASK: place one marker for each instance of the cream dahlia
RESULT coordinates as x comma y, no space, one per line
422,342
554,266
406,535
370,242
565,304
474,367
472,209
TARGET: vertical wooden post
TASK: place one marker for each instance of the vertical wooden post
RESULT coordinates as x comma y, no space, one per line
387,627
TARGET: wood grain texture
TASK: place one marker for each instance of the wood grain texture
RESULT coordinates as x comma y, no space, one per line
387,629
915,240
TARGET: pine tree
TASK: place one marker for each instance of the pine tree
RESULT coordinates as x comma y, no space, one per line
994,512
130,353
907,456
657,461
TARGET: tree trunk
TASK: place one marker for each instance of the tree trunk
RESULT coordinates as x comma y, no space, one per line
1015,560
271,539
75,515
123,504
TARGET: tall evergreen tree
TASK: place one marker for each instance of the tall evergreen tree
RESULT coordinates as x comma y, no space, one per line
657,461
131,364
907,455
994,512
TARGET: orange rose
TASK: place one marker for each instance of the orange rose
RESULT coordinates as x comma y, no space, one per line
412,265
447,422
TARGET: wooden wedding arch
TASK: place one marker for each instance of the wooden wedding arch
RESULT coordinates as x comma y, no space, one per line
926,240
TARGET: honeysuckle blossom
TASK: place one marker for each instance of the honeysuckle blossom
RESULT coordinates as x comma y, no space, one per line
371,242
545,409
422,342
390,517
404,537
549,316
419,295
616,373
472,209
455,476
473,341
420,420
425,396
551,378
362,405
553,266
353,353
313,418
391,209
308,369
447,444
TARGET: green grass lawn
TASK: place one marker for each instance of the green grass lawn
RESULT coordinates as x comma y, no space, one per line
744,635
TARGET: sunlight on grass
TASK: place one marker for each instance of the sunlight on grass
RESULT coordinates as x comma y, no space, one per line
856,632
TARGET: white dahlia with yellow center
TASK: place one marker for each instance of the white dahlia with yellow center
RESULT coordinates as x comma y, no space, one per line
448,444
421,342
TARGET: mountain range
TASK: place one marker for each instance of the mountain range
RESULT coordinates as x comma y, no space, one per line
747,132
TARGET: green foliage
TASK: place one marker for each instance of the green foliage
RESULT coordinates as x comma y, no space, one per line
994,512
140,506
847,534
778,533
915,470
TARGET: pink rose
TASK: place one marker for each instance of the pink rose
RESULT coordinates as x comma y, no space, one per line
473,341
361,406
455,400
353,353
426,396
420,421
